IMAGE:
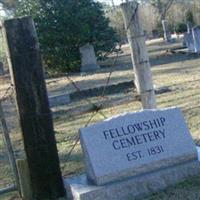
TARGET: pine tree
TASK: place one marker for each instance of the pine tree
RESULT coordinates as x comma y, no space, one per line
64,25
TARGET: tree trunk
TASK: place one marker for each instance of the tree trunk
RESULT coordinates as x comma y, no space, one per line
139,55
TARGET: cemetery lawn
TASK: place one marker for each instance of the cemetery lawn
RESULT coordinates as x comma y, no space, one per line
175,70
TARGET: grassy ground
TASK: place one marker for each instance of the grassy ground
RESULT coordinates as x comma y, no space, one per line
179,72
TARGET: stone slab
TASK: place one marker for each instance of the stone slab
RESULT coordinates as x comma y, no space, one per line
136,143
79,188
59,100
196,37
167,34
189,41
189,27
88,59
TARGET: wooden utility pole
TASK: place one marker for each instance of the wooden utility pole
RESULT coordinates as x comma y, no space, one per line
33,108
139,54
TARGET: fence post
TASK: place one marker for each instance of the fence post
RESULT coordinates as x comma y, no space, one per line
9,148
24,179
33,107
139,54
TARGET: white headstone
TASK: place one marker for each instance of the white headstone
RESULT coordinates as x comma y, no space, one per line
167,34
196,38
136,143
189,27
88,59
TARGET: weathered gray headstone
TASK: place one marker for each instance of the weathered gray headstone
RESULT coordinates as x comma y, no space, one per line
189,41
189,27
196,38
1,69
46,74
167,34
88,59
136,143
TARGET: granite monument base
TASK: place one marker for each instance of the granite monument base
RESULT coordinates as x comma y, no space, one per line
78,188
90,68
59,100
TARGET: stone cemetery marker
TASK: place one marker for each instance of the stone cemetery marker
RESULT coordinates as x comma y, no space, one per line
189,27
88,59
196,38
167,34
189,41
1,69
136,143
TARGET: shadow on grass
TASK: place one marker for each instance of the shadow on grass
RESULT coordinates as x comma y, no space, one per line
172,58
124,62
188,189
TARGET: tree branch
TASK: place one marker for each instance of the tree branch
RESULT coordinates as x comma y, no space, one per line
161,6
166,7
168,4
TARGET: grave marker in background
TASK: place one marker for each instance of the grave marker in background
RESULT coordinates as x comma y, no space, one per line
189,41
189,27
167,34
88,59
1,69
196,38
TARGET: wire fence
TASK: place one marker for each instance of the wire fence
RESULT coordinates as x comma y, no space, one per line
8,174
100,95
9,114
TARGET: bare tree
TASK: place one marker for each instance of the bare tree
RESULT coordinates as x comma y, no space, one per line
162,6
9,6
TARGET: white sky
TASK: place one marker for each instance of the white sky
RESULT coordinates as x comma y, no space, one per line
2,13
116,2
